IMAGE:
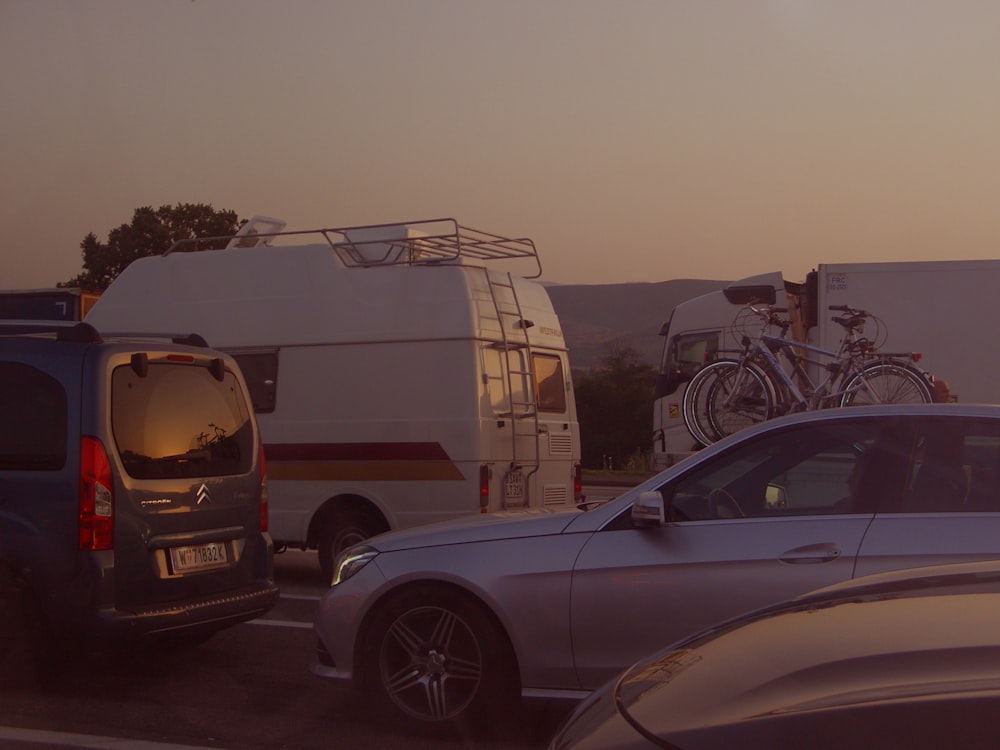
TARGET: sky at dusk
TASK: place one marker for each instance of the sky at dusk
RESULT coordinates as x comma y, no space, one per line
633,140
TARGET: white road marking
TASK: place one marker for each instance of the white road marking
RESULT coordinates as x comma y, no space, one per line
301,597
68,739
282,623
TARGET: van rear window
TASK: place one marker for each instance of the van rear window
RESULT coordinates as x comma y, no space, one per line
178,421
550,385
32,419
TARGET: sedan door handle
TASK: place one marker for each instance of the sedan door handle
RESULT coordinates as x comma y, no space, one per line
811,553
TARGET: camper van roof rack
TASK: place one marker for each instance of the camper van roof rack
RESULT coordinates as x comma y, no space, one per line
410,243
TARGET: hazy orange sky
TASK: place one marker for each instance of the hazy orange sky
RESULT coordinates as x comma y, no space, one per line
633,140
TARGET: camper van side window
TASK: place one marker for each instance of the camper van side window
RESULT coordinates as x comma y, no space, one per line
550,388
260,370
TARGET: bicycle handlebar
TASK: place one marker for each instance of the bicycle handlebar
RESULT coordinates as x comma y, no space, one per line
846,309
770,314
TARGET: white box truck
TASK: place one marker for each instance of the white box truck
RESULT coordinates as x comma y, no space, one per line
401,373
942,310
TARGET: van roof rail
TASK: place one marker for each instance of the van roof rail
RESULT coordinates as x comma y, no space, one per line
64,330
86,333
424,242
186,339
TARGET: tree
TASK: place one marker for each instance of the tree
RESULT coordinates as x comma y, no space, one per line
615,409
151,232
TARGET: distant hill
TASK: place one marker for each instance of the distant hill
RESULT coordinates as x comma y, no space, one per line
596,316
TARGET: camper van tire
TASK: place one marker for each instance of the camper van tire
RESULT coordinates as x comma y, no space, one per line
342,528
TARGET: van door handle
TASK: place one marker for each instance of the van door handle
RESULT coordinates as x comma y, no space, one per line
811,553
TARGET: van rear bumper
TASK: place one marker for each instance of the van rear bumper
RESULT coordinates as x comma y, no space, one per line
186,618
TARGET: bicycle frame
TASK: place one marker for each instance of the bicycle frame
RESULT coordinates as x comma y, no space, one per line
817,392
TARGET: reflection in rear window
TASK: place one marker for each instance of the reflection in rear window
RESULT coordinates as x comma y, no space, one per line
549,384
179,421
32,419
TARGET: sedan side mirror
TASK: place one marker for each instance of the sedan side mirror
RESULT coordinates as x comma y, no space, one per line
648,510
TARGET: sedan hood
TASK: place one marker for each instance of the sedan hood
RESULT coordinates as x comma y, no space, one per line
477,528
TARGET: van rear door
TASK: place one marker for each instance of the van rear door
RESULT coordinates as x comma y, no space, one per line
187,505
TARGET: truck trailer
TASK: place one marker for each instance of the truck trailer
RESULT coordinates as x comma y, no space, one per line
401,373
939,310
45,304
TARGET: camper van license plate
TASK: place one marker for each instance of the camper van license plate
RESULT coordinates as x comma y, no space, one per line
199,557
513,484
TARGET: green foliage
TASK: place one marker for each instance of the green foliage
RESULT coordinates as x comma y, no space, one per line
615,409
151,232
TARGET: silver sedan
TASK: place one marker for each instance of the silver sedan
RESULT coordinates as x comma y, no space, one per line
449,622
907,659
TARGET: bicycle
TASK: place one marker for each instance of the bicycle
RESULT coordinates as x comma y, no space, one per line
728,395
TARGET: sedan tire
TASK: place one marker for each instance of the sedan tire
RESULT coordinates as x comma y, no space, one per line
436,657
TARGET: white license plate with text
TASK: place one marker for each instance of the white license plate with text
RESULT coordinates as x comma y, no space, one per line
513,484
199,557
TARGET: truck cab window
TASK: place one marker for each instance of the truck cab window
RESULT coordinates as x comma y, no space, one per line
685,355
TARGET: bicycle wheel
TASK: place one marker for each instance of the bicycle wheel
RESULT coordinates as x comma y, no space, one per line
694,406
725,397
740,399
887,382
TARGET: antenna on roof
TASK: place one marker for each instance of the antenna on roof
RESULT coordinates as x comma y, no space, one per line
249,234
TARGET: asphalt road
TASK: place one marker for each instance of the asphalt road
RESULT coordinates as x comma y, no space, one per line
249,687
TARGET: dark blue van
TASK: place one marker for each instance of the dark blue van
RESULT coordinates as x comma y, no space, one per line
133,498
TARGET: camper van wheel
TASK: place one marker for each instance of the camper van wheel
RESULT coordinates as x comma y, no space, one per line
344,529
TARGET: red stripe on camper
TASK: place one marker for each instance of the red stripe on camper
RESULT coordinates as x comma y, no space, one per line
359,462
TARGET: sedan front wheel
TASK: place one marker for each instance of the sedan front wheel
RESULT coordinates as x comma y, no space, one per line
437,658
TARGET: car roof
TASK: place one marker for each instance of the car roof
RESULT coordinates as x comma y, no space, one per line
956,410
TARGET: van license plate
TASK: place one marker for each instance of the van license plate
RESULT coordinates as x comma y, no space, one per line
199,557
513,484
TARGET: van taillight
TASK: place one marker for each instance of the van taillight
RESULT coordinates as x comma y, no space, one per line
263,490
97,497
484,487
578,484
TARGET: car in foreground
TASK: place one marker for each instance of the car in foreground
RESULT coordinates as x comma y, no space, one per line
908,659
133,497
451,621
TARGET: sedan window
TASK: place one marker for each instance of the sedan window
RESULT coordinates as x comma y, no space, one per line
956,468
804,470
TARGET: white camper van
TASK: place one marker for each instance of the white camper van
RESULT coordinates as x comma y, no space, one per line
401,373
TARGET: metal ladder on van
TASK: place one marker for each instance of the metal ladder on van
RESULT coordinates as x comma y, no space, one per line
523,413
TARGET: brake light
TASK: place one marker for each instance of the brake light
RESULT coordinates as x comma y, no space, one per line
578,484
484,487
97,497
187,358
263,490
